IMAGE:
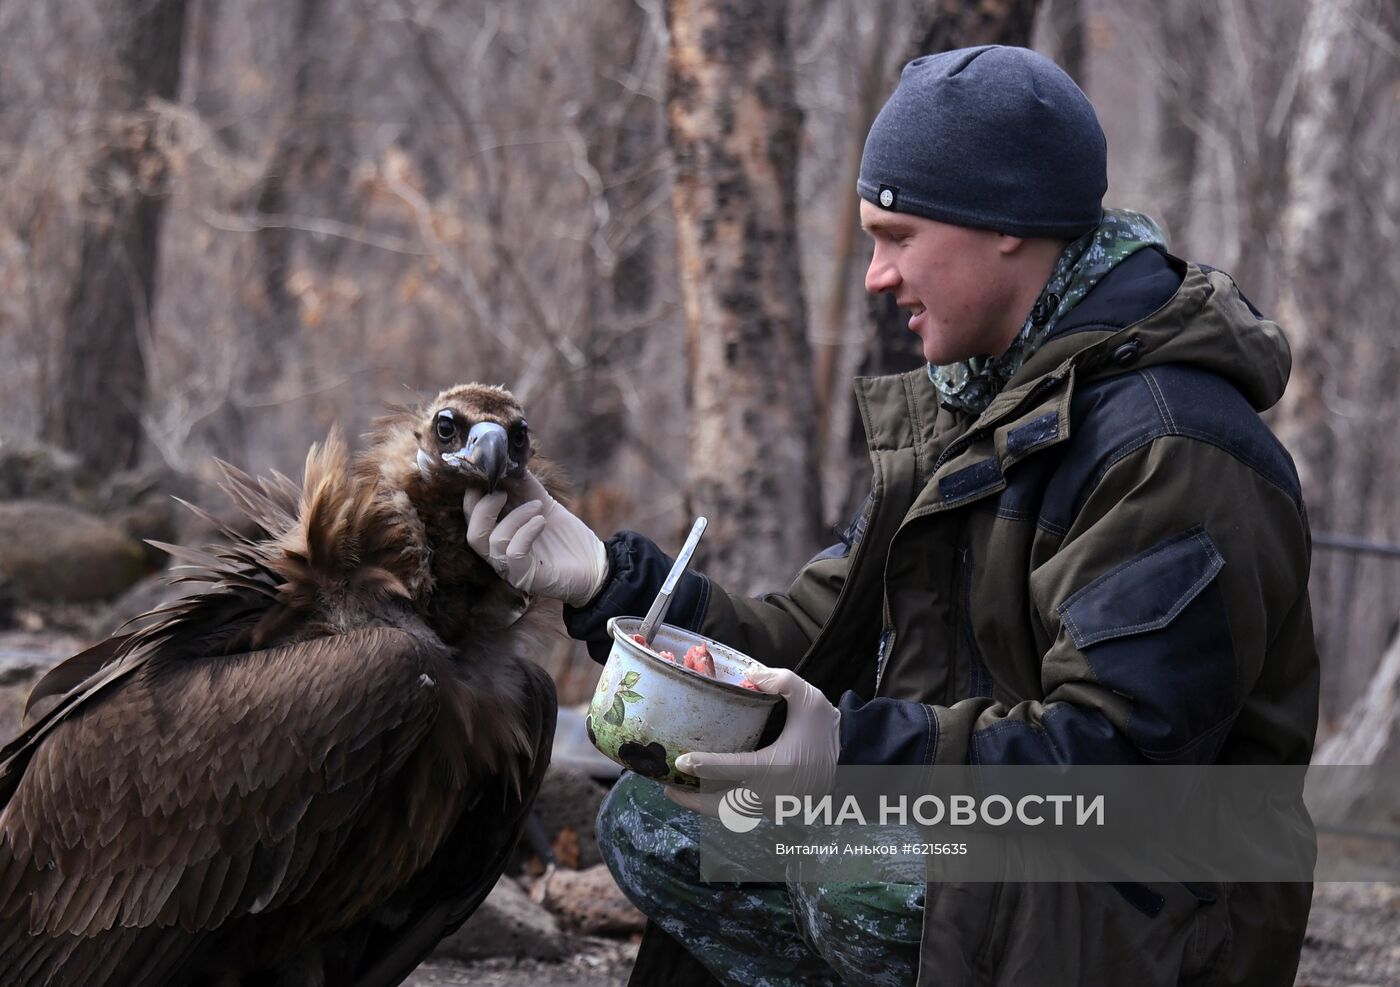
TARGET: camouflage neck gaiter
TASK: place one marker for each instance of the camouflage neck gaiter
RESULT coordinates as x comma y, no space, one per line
970,385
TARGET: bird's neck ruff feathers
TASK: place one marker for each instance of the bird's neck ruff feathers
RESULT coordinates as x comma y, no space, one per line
351,528
329,546
349,536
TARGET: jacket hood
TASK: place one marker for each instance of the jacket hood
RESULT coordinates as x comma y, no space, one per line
1154,309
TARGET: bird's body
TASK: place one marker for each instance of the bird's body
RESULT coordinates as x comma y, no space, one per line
307,773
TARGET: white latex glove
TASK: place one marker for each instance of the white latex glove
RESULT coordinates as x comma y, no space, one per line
802,761
539,548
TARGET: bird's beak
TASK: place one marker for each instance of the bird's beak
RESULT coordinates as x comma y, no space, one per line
485,453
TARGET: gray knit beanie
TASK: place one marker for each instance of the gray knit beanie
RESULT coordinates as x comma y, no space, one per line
992,137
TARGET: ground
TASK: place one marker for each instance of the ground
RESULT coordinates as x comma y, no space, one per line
1351,939
1351,942
598,963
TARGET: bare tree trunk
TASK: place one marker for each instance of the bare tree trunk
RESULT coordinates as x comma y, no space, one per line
1338,418
272,323
290,157
1256,108
1065,20
872,85
1187,32
734,128
98,381
620,137
942,25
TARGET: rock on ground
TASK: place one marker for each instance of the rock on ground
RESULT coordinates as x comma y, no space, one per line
507,924
588,900
569,800
55,552
31,470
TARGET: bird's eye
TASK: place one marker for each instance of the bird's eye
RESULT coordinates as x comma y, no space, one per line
519,435
446,426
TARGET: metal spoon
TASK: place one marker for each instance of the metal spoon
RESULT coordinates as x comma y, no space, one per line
662,603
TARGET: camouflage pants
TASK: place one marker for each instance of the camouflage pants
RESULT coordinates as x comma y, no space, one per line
755,934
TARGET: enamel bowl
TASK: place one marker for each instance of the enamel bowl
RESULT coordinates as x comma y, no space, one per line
646,711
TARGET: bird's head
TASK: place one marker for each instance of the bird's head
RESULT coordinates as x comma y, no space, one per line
419,465
473,434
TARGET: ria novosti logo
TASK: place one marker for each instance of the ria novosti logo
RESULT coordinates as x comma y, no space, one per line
741,810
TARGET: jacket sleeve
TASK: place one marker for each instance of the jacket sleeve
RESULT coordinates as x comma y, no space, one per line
1160,602
775,628
636,570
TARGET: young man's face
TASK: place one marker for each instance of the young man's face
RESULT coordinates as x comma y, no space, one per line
953,280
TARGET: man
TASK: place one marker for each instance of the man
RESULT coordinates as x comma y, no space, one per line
1082,546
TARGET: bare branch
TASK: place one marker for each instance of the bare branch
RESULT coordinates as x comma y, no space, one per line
243,223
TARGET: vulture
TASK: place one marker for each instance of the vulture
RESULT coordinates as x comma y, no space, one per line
312,768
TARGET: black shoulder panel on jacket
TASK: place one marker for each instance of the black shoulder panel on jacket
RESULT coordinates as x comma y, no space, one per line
1117,415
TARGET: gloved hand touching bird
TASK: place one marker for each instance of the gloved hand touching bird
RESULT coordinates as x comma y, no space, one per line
539,547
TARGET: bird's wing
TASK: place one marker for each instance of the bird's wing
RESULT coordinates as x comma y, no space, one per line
180,794
470,861
73,672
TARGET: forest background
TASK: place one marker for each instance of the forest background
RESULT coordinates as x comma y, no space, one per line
227,226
